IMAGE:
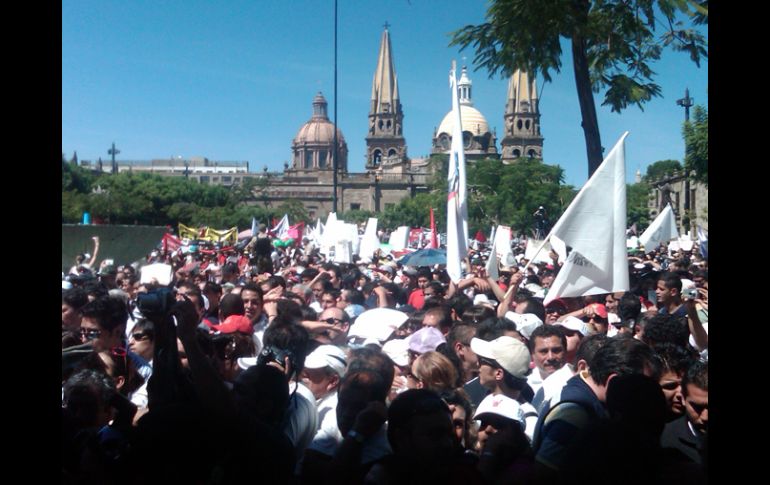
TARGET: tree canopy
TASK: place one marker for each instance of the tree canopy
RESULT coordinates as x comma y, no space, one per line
660,169
613,43
696,139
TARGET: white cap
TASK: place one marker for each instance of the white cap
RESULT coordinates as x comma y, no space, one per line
500,405
66,285
377,323
327,356
509,352
575,324
246,362
526,323
482,299
398,351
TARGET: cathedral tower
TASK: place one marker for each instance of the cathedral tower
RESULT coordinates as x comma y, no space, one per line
385,144
522,119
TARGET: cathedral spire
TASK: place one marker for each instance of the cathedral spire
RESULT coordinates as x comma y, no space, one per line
385,142
522,119
385,83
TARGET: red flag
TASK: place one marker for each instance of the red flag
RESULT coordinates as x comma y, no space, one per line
480,237
433,233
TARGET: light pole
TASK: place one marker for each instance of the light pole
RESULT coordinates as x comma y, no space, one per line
686,103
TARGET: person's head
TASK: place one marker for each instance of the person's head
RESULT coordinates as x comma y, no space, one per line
330,298
358,388
231,305
669,290
695,388
424,276
72,301
675,361
612,301
262,391
324,367
320,287
554,310
497,414
587,349
334,272
420,428
701,279
462,415
103,323
212,291
503,362
548,345
338,334
439,317
666,328
251,294
87,397
533,305
477,314
141,341
434,291
459,341
228,348
622,356
285,347
574,331
433,371
598,321
308,275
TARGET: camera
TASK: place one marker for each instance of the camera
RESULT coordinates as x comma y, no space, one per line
690,293
273,354
156,303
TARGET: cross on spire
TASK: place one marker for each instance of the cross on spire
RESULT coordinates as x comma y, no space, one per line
386,25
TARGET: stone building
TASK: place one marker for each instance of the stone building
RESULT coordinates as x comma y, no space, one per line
478,141
689,201
522,120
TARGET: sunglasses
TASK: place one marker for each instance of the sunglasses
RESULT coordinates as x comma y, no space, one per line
332,321
139,336
90,333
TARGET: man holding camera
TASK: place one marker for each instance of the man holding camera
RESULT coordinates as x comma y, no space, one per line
670,302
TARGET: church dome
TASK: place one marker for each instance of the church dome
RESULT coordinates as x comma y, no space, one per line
471,118
319,130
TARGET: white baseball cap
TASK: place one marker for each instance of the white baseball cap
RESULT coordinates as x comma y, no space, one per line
398,351
575,324
501,405
526,323
327,356
377,323
509,352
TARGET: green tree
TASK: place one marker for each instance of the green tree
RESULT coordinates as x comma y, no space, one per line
637,196
613,45
696,139
660,169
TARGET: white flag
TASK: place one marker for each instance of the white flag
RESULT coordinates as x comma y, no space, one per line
369,241
662,229
492,264
281,231
594,225
457,207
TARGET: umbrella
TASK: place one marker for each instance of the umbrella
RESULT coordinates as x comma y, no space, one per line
424,257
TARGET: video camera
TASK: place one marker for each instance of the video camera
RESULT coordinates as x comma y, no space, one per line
156,303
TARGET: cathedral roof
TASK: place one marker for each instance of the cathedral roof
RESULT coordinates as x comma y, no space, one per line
319,130
471,118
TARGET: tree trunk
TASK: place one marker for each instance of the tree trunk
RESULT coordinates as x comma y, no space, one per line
587,107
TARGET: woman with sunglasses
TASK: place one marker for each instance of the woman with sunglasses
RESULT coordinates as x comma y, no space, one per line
141,348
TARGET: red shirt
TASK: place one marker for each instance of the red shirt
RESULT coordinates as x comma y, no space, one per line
416,299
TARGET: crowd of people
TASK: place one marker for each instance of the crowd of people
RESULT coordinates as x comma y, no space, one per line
271,363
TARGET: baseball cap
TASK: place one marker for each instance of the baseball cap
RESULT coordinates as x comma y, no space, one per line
600,309
397,350
377,323
499,405
575,324
425,340
327,356
234,323
509,352
526,323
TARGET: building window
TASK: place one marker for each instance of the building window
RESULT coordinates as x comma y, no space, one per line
516,153
355,207
227,179
215,179
308,156
377,158
204,179
321,159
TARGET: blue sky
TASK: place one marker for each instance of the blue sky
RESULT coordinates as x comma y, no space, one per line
234,81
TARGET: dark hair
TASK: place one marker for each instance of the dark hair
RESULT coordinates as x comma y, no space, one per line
74,297
437,287
535,306
290,338
109,313
325,285
251,286
460,303
546,331
333,268
376,361
84,392
629,307
261,390
145,326
697,375
289,309
476,314
444,314
672,280
355,297
309,273
667,328
674,358
494,327
460,332
425,272
589,345
407,405
308,313
623,356
211,287
231,304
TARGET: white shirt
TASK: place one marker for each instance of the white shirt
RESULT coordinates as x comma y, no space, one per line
534,380
328,436
552,386
301,422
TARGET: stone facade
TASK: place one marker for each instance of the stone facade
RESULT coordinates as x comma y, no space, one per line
675,188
